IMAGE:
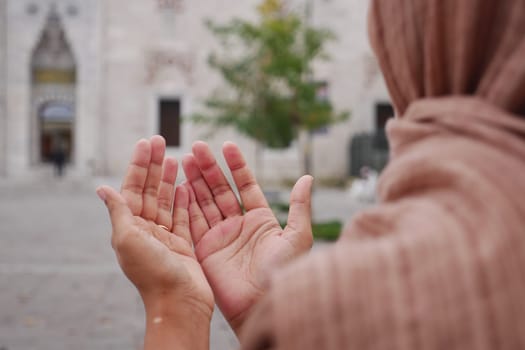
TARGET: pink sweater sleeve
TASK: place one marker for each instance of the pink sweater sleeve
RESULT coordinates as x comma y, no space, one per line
439,264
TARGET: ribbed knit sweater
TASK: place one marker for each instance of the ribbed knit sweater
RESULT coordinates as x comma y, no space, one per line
439,264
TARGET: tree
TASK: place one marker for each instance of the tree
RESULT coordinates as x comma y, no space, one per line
267,66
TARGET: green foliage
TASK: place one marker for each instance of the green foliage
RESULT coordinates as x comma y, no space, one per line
267,68
280,207
327,231
324,231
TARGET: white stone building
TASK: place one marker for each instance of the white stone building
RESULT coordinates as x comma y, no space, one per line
91,77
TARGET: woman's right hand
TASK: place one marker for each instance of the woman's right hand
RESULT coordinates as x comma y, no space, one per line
238,249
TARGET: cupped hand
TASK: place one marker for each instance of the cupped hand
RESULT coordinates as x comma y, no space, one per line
238,249
151,236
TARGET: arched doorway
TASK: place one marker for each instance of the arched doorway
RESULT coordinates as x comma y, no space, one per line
56,130
53,71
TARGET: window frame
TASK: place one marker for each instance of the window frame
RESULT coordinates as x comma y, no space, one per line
159,130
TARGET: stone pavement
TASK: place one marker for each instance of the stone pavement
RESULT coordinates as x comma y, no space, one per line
60,285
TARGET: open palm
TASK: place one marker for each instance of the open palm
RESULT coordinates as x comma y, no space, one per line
238,250
151,234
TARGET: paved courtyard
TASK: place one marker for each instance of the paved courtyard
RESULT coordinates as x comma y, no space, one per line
60,285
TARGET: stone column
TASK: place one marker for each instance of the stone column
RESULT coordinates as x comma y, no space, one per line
3,116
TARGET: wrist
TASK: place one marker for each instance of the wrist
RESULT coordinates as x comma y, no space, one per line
175,323
173,305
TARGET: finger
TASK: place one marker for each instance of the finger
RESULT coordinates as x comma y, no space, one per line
119,211
198,224
202,192
299,225
181,220
151,187
166,193
135,178
251,194
223,195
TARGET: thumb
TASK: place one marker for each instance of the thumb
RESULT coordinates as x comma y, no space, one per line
119,211
300,215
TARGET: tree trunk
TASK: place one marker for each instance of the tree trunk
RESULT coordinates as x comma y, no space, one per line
307,153
259,166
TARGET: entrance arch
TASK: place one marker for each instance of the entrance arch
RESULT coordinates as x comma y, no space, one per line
53,71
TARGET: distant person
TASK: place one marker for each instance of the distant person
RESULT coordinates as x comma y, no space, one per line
438,263
59,157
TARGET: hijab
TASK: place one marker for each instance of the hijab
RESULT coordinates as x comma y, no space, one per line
436,48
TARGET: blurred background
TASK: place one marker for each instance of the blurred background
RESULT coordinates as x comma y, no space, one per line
294,83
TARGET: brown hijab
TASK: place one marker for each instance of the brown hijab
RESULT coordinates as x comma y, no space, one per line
431,48
439,263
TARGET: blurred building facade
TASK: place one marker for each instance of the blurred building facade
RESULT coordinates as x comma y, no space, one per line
91,77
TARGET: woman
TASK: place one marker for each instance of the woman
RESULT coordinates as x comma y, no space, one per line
438,263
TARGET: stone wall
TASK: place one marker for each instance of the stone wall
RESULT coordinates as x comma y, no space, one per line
140,40
152,52
131,53
3,116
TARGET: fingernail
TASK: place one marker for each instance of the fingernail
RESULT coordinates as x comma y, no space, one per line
101,194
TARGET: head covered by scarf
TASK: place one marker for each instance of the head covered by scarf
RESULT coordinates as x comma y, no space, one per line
439,262
456,72
437,48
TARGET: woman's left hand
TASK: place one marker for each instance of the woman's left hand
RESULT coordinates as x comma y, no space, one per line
152,240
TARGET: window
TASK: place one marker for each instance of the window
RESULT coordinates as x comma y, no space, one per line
384,111
169,121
